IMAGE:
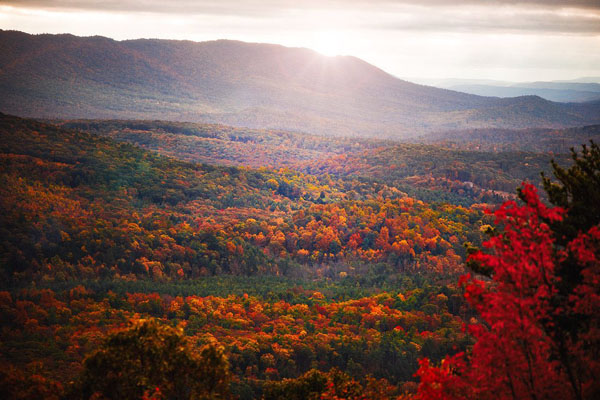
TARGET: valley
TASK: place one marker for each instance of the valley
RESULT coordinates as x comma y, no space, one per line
292,251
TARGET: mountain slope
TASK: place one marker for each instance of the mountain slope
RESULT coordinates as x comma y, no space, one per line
537,140
244,84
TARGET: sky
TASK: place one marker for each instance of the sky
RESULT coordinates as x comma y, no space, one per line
423,40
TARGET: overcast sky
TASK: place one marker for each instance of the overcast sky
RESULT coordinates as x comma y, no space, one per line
485,39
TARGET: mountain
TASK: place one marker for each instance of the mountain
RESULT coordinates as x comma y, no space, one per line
578,90
585,79
245,84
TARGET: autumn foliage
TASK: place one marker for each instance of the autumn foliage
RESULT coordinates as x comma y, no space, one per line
327,282
522,350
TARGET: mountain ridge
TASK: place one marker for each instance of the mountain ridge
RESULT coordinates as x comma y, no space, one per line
251,85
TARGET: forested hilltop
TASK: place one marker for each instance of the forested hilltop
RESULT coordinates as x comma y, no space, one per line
326,271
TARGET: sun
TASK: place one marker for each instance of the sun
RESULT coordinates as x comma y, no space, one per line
329,43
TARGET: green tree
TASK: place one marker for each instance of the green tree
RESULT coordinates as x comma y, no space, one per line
577,191
150,359
310,385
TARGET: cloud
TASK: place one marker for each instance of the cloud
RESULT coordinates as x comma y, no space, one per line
252,7
507,19
544,16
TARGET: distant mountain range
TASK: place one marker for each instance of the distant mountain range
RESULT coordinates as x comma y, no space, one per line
577,90
246,84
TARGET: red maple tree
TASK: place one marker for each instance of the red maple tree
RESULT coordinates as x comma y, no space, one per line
522,349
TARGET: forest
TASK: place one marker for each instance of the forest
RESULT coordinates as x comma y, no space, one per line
169,260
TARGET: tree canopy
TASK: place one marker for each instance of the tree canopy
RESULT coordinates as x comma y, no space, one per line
154,361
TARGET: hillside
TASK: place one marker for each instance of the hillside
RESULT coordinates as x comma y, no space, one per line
434,173
306,279
245,84
284,269
223,144
76,205
430,173
536,140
